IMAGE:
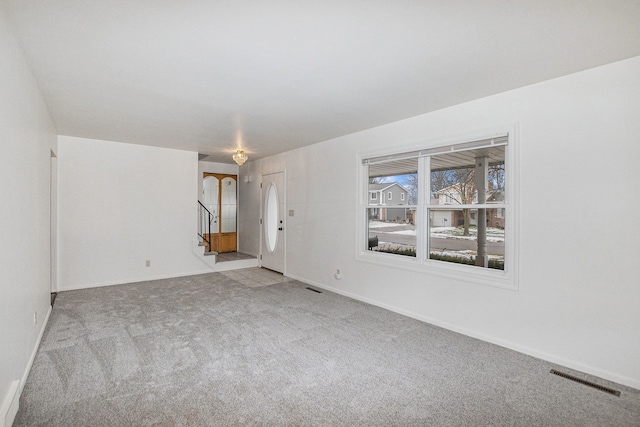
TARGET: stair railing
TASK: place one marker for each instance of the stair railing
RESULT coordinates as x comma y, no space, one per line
204,224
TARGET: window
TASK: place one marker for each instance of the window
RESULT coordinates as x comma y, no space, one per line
458,218
393,228
389,195
374,196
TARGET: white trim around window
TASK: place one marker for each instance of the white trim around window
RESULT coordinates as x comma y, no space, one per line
506,136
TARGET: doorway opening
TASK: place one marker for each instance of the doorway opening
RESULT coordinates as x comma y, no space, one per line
220,197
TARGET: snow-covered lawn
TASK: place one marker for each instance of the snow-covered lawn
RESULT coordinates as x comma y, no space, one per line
465,254
493,234
381,224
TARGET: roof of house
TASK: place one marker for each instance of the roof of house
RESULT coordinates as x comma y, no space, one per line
384,186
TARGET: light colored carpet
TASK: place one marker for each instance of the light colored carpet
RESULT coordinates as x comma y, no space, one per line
209,351
256,277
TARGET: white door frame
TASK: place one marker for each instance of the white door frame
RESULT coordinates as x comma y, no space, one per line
53,223
283,202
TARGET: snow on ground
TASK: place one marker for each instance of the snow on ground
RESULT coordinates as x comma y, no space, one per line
493,234
443,229
465,254
471,237
388,246
380,224
404,232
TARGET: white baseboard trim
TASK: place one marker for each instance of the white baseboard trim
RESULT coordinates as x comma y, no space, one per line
10,404
548,357
220,266
125,281
43,326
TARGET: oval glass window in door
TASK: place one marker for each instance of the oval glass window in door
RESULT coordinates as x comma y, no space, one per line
271,218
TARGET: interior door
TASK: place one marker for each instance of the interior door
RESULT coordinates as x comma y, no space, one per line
273,221
220,199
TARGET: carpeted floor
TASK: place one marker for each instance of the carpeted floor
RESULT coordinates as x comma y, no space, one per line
210,351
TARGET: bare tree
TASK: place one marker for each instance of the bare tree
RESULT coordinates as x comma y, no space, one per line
459,186
440,180
411,184
466,189
496,180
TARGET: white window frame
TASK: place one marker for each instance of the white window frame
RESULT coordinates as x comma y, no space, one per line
374,196
507,278
389,195
402,197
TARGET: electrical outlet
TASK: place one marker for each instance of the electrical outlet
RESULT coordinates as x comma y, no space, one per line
148,263
338,275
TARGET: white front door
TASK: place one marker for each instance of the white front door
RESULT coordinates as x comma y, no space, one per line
273,225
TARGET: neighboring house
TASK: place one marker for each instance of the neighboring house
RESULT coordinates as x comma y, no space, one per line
452,195
440,218
389,194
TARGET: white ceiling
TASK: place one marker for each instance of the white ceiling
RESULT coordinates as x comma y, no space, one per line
270,76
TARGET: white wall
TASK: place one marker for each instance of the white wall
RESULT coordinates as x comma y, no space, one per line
249,195
120,205
27,136
578,298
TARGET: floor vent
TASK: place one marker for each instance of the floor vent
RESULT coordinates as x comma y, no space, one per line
315,290
585,382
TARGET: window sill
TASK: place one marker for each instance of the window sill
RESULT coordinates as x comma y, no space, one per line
483,276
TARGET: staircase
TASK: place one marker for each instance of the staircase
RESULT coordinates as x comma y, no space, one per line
205,219
208,257
201,246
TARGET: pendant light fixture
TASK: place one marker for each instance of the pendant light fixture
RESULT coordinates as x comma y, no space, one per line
240,157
